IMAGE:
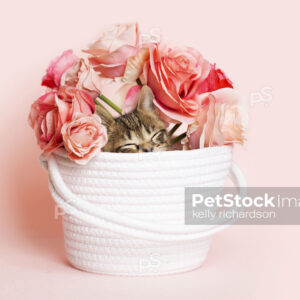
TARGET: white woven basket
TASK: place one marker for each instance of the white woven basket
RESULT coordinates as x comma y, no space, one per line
124,213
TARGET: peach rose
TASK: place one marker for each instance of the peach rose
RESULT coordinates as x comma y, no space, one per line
84,137
173,74
57,68
221,120
117,53
50,111
82,77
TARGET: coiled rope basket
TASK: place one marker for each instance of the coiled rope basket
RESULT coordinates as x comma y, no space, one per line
123,213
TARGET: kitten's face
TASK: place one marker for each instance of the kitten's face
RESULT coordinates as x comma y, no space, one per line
139,131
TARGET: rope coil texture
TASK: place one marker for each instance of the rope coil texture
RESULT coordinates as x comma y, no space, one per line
123,214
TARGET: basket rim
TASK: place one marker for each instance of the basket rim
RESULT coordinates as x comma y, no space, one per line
216,150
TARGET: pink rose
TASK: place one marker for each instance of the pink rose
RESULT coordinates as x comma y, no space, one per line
114,49
84,137
50,111
57,68
82,77
221,120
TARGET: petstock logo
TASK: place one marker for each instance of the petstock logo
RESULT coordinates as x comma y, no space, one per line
248,206
153,35
263,96
150,264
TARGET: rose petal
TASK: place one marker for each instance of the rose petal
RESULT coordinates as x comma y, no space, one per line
171,116
57,68
117,36
134,65
131,99
113,64
63,109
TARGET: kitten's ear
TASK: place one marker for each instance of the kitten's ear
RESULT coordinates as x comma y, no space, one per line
146,100
106,118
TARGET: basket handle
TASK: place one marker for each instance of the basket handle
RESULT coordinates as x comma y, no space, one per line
115,222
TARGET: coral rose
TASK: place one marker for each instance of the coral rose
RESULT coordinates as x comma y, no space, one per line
50,111
173,74
84,137
221,120
57,68
117,53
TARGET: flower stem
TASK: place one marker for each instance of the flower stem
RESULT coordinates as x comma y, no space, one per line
138,81
111,104
102,106
174,128
178,138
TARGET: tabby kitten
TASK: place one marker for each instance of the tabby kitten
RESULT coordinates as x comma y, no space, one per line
139,131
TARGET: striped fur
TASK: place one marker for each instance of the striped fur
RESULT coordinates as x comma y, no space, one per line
139,131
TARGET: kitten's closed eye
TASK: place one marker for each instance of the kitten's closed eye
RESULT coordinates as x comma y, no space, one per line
128,148
157,139
160,137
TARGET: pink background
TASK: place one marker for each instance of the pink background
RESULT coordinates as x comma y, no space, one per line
256,43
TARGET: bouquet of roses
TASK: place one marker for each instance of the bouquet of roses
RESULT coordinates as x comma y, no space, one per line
188,90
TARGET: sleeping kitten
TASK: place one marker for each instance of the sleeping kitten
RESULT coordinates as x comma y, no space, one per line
140,131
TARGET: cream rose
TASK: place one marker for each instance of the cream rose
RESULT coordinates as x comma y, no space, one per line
221,120
117,53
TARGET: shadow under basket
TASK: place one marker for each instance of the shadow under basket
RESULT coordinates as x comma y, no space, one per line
123,213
